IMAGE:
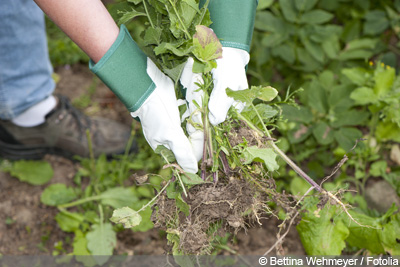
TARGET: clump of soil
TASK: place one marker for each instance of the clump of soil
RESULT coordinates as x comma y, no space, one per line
208,203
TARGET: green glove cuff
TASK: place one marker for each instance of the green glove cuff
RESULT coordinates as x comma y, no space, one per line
233,21
123,70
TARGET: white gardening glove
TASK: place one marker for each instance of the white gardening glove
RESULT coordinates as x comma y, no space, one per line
159,116
189,80
230,73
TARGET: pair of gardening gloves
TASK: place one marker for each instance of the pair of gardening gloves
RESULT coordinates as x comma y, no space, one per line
150,95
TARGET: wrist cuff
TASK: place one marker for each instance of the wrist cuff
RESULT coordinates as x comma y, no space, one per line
123,70
233,21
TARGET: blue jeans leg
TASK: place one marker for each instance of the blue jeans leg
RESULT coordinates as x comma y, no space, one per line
25,68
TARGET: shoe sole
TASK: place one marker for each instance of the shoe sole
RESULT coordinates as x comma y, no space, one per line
18,152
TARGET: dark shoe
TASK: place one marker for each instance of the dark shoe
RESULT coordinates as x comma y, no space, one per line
63,133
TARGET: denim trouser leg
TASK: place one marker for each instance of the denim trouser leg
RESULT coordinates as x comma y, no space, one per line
25,68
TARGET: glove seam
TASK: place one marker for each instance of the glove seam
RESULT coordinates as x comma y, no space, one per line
235,45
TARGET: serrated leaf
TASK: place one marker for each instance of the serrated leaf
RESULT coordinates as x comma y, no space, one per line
321,234
57,194
391,234
128,15
206,44
267,155
191,179
126,216
152,36
101,241
31,171
118,197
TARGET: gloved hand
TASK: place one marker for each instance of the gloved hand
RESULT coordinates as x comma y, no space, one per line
193,93
148,94
230,73
160,120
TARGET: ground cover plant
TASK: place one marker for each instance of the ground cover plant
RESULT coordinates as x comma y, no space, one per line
336,115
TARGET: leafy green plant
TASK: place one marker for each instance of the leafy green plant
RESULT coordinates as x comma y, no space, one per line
34,172
101,185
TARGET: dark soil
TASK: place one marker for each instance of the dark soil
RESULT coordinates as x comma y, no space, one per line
27,227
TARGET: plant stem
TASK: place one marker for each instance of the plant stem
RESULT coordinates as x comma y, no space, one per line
293,165
79,202
148,15
188,36
154,198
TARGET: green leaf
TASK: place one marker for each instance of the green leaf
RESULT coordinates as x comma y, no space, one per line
266,111
128,15
206,44
289,11
384,79
101,241
355,54
146,224
266,21
263,4
363,96
361,236
387,130
363,43
378,168
331,46
32,172
305,5
152,36
391,234
57,194
357,76
321,233
317,97
286,52
118,197
347,137
299,133
350,118
165,153
267,155
69,221
298,114
376,22
191,179
323,133
248,95
312,47
126,216
299,186
80,250
175,48
316,16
